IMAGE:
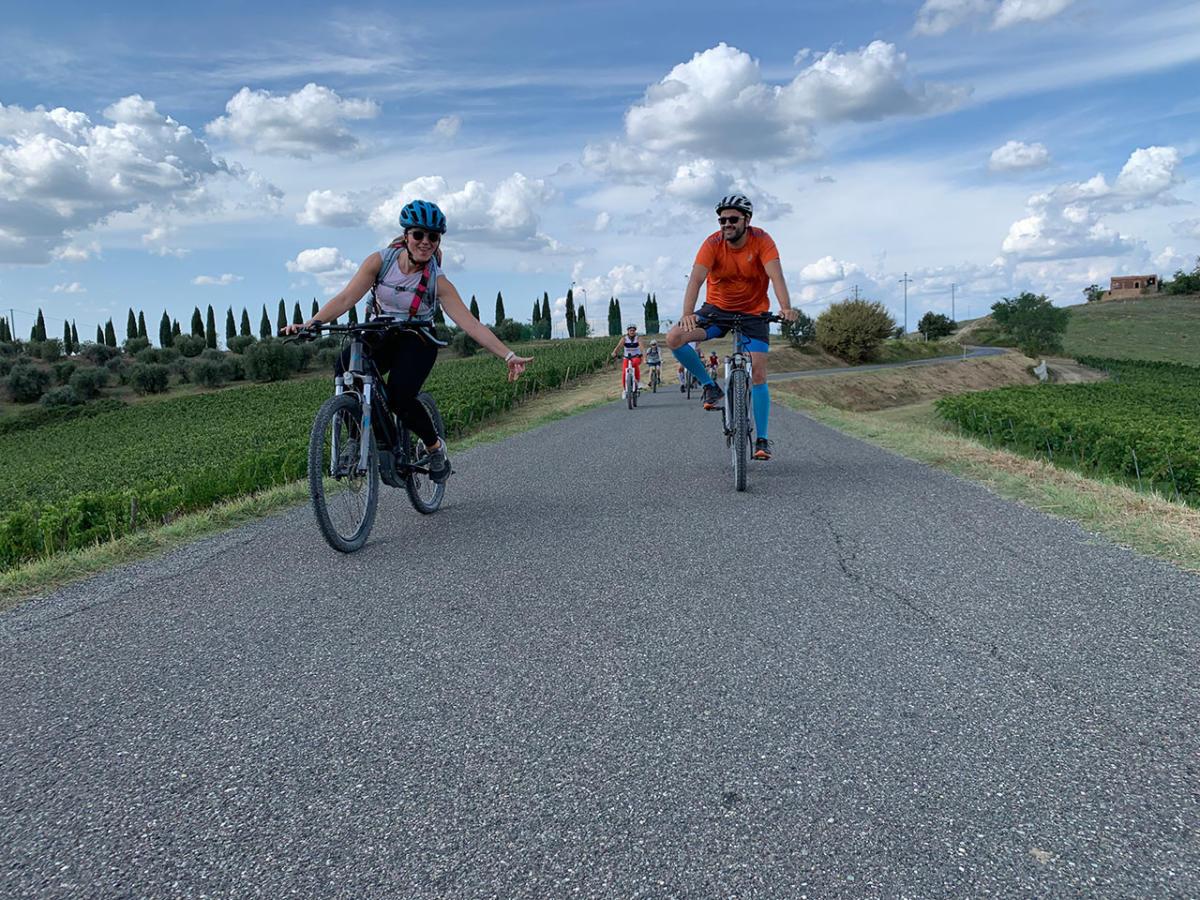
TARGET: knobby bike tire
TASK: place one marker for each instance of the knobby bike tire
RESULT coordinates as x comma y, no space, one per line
739,392
629,397
423,493
654,381
357,497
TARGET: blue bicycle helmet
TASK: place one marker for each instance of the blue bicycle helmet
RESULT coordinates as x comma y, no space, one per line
423,214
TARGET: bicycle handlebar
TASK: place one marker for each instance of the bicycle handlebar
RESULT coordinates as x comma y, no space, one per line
314,331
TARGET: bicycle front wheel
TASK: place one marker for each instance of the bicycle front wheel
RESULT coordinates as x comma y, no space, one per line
739,408
423,492
630,397
345,497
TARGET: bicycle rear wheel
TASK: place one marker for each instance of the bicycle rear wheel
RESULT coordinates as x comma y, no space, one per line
630,395
423,492
344,497
739,394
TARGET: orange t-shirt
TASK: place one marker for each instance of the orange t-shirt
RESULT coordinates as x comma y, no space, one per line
737,279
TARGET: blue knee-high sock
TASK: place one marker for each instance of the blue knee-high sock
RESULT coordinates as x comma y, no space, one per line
690,360
760,397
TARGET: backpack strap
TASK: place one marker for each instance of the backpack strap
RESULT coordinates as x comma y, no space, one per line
388,256
422,287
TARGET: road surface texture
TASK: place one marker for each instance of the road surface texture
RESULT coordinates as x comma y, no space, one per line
600,672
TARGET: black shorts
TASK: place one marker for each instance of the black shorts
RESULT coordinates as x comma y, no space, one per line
716,322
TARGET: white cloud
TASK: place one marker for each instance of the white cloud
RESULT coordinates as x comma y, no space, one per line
1014,12
76,252
1171,261
1018,156
326,264
218,280
447,127
330,208
155,240
73,287
1188,228
826,270
505,216
936,17
602,221
308,121
60,174
1067,221
717,107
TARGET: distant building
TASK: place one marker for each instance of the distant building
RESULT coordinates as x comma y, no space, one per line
1132,286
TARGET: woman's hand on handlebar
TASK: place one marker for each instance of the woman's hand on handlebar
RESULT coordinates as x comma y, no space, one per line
296,329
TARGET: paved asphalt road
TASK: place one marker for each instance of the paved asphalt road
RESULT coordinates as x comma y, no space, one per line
599,672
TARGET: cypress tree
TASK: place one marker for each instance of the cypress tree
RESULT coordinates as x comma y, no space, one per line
614,317
110,334
40,327
33,334
131,326
547,322
230,326
165,338
353,319
99,335
474,307
536,320
297,316
176,331
142,325
439,317
245,329
570,313
67,348
581,322
500,317
281,316
74,336
264,326
316,308
197,323
210,329
4,330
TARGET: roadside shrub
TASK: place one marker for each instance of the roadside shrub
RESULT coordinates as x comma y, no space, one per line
50,351
189,344
235,367
135,345
935,325
209,372
270,360
240,343
6,364
508,331
63,371
27,383
159,355
181,368
11,348
800,332
462,344
118,368
149,378
86,382
327,357
98,354
1036,324
854,329
61,396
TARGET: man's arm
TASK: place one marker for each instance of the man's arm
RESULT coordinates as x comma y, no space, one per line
779,284
691,294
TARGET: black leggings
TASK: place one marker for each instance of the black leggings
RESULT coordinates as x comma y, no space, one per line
408,358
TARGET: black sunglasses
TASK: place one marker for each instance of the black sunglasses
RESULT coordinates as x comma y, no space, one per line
418,235
729,220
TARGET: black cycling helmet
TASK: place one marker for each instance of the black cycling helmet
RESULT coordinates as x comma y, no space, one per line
423,214
736,201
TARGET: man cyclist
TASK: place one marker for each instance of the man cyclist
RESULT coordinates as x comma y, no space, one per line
713,363
410,290
654,359
630,347
737,262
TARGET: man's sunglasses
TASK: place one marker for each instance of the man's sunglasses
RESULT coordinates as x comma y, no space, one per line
730,220
418,235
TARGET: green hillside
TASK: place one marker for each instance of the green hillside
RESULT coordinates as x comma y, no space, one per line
1164,328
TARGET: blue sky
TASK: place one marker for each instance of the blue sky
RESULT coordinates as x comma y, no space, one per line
164,159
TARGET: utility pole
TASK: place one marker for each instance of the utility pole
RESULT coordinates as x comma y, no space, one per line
952,287
906,281
856,292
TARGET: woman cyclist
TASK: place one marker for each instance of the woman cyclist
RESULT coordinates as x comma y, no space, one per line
410,291
631,347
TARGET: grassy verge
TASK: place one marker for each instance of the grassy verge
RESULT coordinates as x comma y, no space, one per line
60,569
1148,523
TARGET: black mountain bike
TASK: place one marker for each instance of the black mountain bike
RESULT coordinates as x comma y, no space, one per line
735,414
355,442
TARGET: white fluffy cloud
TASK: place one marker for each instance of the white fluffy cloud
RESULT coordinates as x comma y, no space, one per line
73,287
330,208
1188,228
60,174
308,121
326,264
1066,222
827,270
447,127
224,280
1016,156
505,216
76,252
936,17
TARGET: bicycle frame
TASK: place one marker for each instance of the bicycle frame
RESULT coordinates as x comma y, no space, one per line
738,359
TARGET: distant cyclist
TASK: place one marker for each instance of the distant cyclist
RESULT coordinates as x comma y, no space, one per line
410,291
680,371
630,349
737,262
654,359
713,364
